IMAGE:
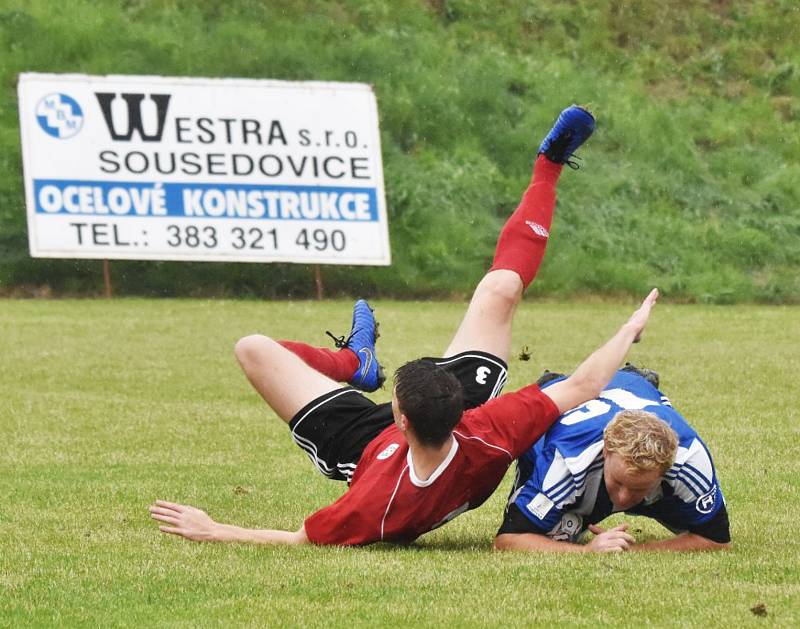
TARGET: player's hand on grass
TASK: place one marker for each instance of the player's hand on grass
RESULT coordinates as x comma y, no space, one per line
611,541
183,520
639,318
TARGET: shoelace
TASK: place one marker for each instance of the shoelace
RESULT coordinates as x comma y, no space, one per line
340,341
560,145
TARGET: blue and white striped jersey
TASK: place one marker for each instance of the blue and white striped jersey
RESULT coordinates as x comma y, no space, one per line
560,486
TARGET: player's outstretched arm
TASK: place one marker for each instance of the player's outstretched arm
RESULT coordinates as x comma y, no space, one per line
196,525
685,542
593,374
612,541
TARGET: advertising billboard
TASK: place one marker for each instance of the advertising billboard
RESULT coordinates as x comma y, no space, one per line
135,167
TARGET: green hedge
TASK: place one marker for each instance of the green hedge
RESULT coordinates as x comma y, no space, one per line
692,182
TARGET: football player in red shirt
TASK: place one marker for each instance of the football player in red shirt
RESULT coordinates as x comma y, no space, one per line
445,442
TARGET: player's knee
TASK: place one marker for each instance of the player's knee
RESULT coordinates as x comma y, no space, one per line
502,288
253,348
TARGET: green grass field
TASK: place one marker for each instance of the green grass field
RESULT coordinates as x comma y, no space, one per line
109,405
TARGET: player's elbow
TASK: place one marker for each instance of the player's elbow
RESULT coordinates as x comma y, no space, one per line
705,544
504,541
712,545
300,537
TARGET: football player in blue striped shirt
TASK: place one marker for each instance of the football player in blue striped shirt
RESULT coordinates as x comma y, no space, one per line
628,450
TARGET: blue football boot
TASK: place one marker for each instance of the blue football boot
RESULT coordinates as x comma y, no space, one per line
361,341
573,128
648,374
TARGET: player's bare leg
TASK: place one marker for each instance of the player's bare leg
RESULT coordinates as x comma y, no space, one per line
487,324
522,242
290,374
285,382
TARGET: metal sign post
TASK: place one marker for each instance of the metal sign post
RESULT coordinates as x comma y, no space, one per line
107,279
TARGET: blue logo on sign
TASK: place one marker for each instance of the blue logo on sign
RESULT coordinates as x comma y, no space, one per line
59,115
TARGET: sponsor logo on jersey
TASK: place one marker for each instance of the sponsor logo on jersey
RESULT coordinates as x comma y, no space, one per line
705,503
482,374
540,506
389,451
539,230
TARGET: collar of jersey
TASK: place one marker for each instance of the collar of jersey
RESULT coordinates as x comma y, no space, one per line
437,472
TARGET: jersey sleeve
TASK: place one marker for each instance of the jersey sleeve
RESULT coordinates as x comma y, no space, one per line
696,495
543,488
514,421
717,529
677,516
350,521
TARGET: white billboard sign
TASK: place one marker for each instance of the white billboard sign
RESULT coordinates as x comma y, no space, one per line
135,167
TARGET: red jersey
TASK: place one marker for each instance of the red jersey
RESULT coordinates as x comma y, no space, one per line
386,500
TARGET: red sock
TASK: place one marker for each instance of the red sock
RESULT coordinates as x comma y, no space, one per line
340,365
523,239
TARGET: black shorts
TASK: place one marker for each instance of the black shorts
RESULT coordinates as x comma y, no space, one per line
335,428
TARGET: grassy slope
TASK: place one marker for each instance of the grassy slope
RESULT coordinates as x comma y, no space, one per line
108,405
690,184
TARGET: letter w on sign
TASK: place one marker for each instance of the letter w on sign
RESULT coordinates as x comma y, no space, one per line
134,102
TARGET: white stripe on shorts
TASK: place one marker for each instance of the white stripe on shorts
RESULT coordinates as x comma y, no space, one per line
309,446
501,377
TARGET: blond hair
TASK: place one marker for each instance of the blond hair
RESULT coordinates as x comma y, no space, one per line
644,441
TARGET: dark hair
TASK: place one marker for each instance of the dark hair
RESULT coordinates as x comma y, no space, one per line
431,399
